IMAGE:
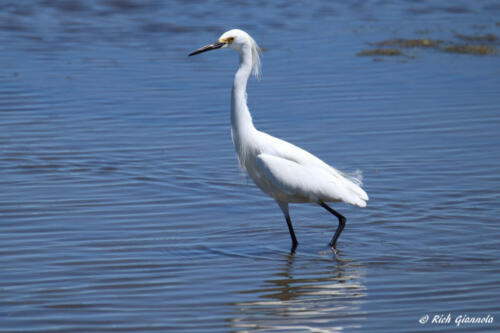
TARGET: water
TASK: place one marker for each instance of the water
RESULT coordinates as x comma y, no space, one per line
122,207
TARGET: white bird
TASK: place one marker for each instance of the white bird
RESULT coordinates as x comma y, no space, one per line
280,169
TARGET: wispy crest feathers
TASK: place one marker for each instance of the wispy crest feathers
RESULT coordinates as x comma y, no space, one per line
256,64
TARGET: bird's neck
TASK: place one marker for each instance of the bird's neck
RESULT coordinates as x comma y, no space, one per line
241,120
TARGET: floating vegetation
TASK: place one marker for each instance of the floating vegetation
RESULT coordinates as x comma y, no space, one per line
391,47
380,52
479,38
470,49
481,44
402,42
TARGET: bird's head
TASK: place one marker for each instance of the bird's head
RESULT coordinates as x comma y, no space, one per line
239,41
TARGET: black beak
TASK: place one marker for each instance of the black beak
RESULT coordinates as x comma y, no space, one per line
213,46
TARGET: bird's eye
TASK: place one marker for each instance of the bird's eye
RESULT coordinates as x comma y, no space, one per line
229,40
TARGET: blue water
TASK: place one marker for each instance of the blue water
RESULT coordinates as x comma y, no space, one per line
122,207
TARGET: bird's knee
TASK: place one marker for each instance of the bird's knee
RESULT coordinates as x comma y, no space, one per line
342,220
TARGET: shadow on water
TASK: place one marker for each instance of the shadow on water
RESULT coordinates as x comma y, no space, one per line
304,293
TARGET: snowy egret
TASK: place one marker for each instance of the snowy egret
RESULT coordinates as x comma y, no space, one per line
280,169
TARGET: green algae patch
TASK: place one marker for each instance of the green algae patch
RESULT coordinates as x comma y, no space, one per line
475,43
490,38
379,52
417,42
470,49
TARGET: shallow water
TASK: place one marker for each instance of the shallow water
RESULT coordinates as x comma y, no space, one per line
122,207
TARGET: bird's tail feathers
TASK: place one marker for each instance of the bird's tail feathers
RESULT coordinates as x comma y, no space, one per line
353,182
356,177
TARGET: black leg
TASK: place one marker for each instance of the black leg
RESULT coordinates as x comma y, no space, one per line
292,233
341,226
284,209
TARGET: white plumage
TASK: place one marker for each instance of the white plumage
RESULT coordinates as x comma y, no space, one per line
280,169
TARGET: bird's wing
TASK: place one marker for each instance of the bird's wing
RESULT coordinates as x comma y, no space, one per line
307,182
330,182
291,152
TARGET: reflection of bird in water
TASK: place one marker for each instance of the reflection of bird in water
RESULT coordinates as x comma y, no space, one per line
285,172
304,294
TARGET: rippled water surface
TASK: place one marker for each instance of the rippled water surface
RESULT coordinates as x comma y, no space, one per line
122,207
